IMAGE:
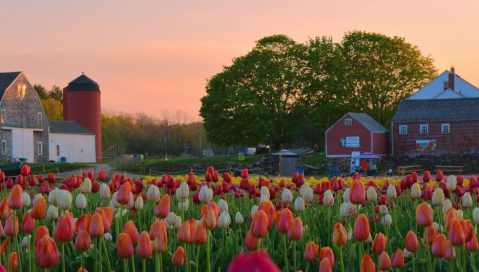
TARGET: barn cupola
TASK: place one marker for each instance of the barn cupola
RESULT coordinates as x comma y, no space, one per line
82,104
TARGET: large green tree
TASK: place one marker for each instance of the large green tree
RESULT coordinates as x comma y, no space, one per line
379,71
255,100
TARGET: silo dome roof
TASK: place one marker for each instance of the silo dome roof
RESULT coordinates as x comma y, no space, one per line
83,83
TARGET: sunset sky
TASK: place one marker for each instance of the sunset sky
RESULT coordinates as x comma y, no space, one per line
155,56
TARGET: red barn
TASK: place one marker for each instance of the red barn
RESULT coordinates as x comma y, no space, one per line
436,127
356,132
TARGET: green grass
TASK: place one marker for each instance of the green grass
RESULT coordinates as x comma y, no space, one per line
202,160
55,167
316,158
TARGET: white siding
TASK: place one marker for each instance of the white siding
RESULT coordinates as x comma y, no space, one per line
71,147
22,143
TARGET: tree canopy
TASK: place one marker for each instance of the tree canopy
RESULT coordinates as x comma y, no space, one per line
288,92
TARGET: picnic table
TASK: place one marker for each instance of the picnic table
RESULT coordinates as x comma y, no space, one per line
402,170
450,168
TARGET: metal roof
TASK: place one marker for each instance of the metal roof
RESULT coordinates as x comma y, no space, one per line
6,79
437,110
367,121
83,83
68,127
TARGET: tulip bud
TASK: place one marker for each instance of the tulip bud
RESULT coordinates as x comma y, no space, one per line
52,212
105,191
466,200
139,203
86,186
451,183
438,197
475,215
52,196
328,199
26,199
387,220
398,259
346,196
26,241
343,210
206,194
307,193
183,191
446,206
36,198
64,200
254,209
153,194
383,210
239,218
131,202
223,205
287,196
80,201
391,192
265,191
224,220
299,204
415,191
108,237
460,214
371,194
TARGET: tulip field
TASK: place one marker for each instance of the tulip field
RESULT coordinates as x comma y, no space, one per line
419,222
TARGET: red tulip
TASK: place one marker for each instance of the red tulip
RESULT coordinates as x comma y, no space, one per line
426,177
259,224
439,176
311,251
39,209
199,235
325,266
47,253
472,244
123,195
65,228
284,219
456,233
327,252
9,231
448,254
25,170
184,233
357,192
101,175
28,223
12,260
40,233
179,257
439,246
430,234
384,261
15,199
131,230
96,228
163,208
379,244
144,250
51,177
124,246
252,262
412,244
367,264
295,231
268,207
424,215
82,241
361,228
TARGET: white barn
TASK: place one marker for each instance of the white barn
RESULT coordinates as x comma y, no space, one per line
72,142
447,85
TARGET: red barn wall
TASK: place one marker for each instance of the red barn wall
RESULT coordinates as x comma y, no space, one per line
339,130
463,138
380,143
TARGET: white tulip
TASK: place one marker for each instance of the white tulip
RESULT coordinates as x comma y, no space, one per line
183,191
299,204
371,194
387,220
26,199
206,194
352,209
64,200
52,197
346,195
139,203
467,200
328,199
86,185
383,210
183,206
105,191
415,191
437,228
52,212
406,253
451,183
446,206
153,194
178,222
222,206
171,219
460,214
108,237
254,209
239,218
131,203
265,192
307,193
391,192
224,220
286,196
370,239
438,197
475,215
26,241
80,202
36,198
343,210
123,213
263,198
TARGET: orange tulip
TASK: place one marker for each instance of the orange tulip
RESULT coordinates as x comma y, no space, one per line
325,266
193,225
384,261
132,231
104,217
311,251
398,259
424,215
327,252
9,231
123,195
412,244
160,244
179,257
439,246
367,264
28,223
210,219
124,246
339,237
96,228
430,234
4,246
472,245
40,233
82,241
250,241
184,233
199,236
357,192
157,228
456,233
47,253
295,231
4,209
15,199
379,244
448,216
163,207
284,219
467,228
259,224
144,250
82,269
361,228
210,205
83,223
12,260
268,207
65,228
448,256
39,209
109,214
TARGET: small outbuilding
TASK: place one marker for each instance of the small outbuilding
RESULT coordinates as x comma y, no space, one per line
356,132
71,142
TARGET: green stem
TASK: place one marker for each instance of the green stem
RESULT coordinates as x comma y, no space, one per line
132,259
63,257
197,257
208,249
186,254
95,256
82,262
341,258
307,267
106,254
16,240
125,266
285,253
473,261
161,261
294,255
463,255
144,265
413,262
157,261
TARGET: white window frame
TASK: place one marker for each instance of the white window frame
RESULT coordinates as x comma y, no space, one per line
421,129
4,147
401,128
448,126
40,149
39,119
348,122
3,116
58,150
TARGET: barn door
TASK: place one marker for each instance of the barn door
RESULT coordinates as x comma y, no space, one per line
22,144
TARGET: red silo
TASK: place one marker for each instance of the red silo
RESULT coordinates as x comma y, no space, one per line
82,104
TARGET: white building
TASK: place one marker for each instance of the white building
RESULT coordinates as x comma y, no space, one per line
446,86
72,142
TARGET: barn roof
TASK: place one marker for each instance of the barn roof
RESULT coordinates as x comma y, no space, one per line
437,110
367,121
68,127
6,79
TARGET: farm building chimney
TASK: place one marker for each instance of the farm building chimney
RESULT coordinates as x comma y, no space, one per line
451,78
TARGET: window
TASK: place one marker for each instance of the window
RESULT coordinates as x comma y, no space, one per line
40,148
424,129
39,119
4,147
4,116
22,88
58,150
403,129
446,128
348,122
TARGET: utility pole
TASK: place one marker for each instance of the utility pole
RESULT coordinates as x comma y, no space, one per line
166,157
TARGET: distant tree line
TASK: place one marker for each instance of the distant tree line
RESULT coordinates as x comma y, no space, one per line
286,94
